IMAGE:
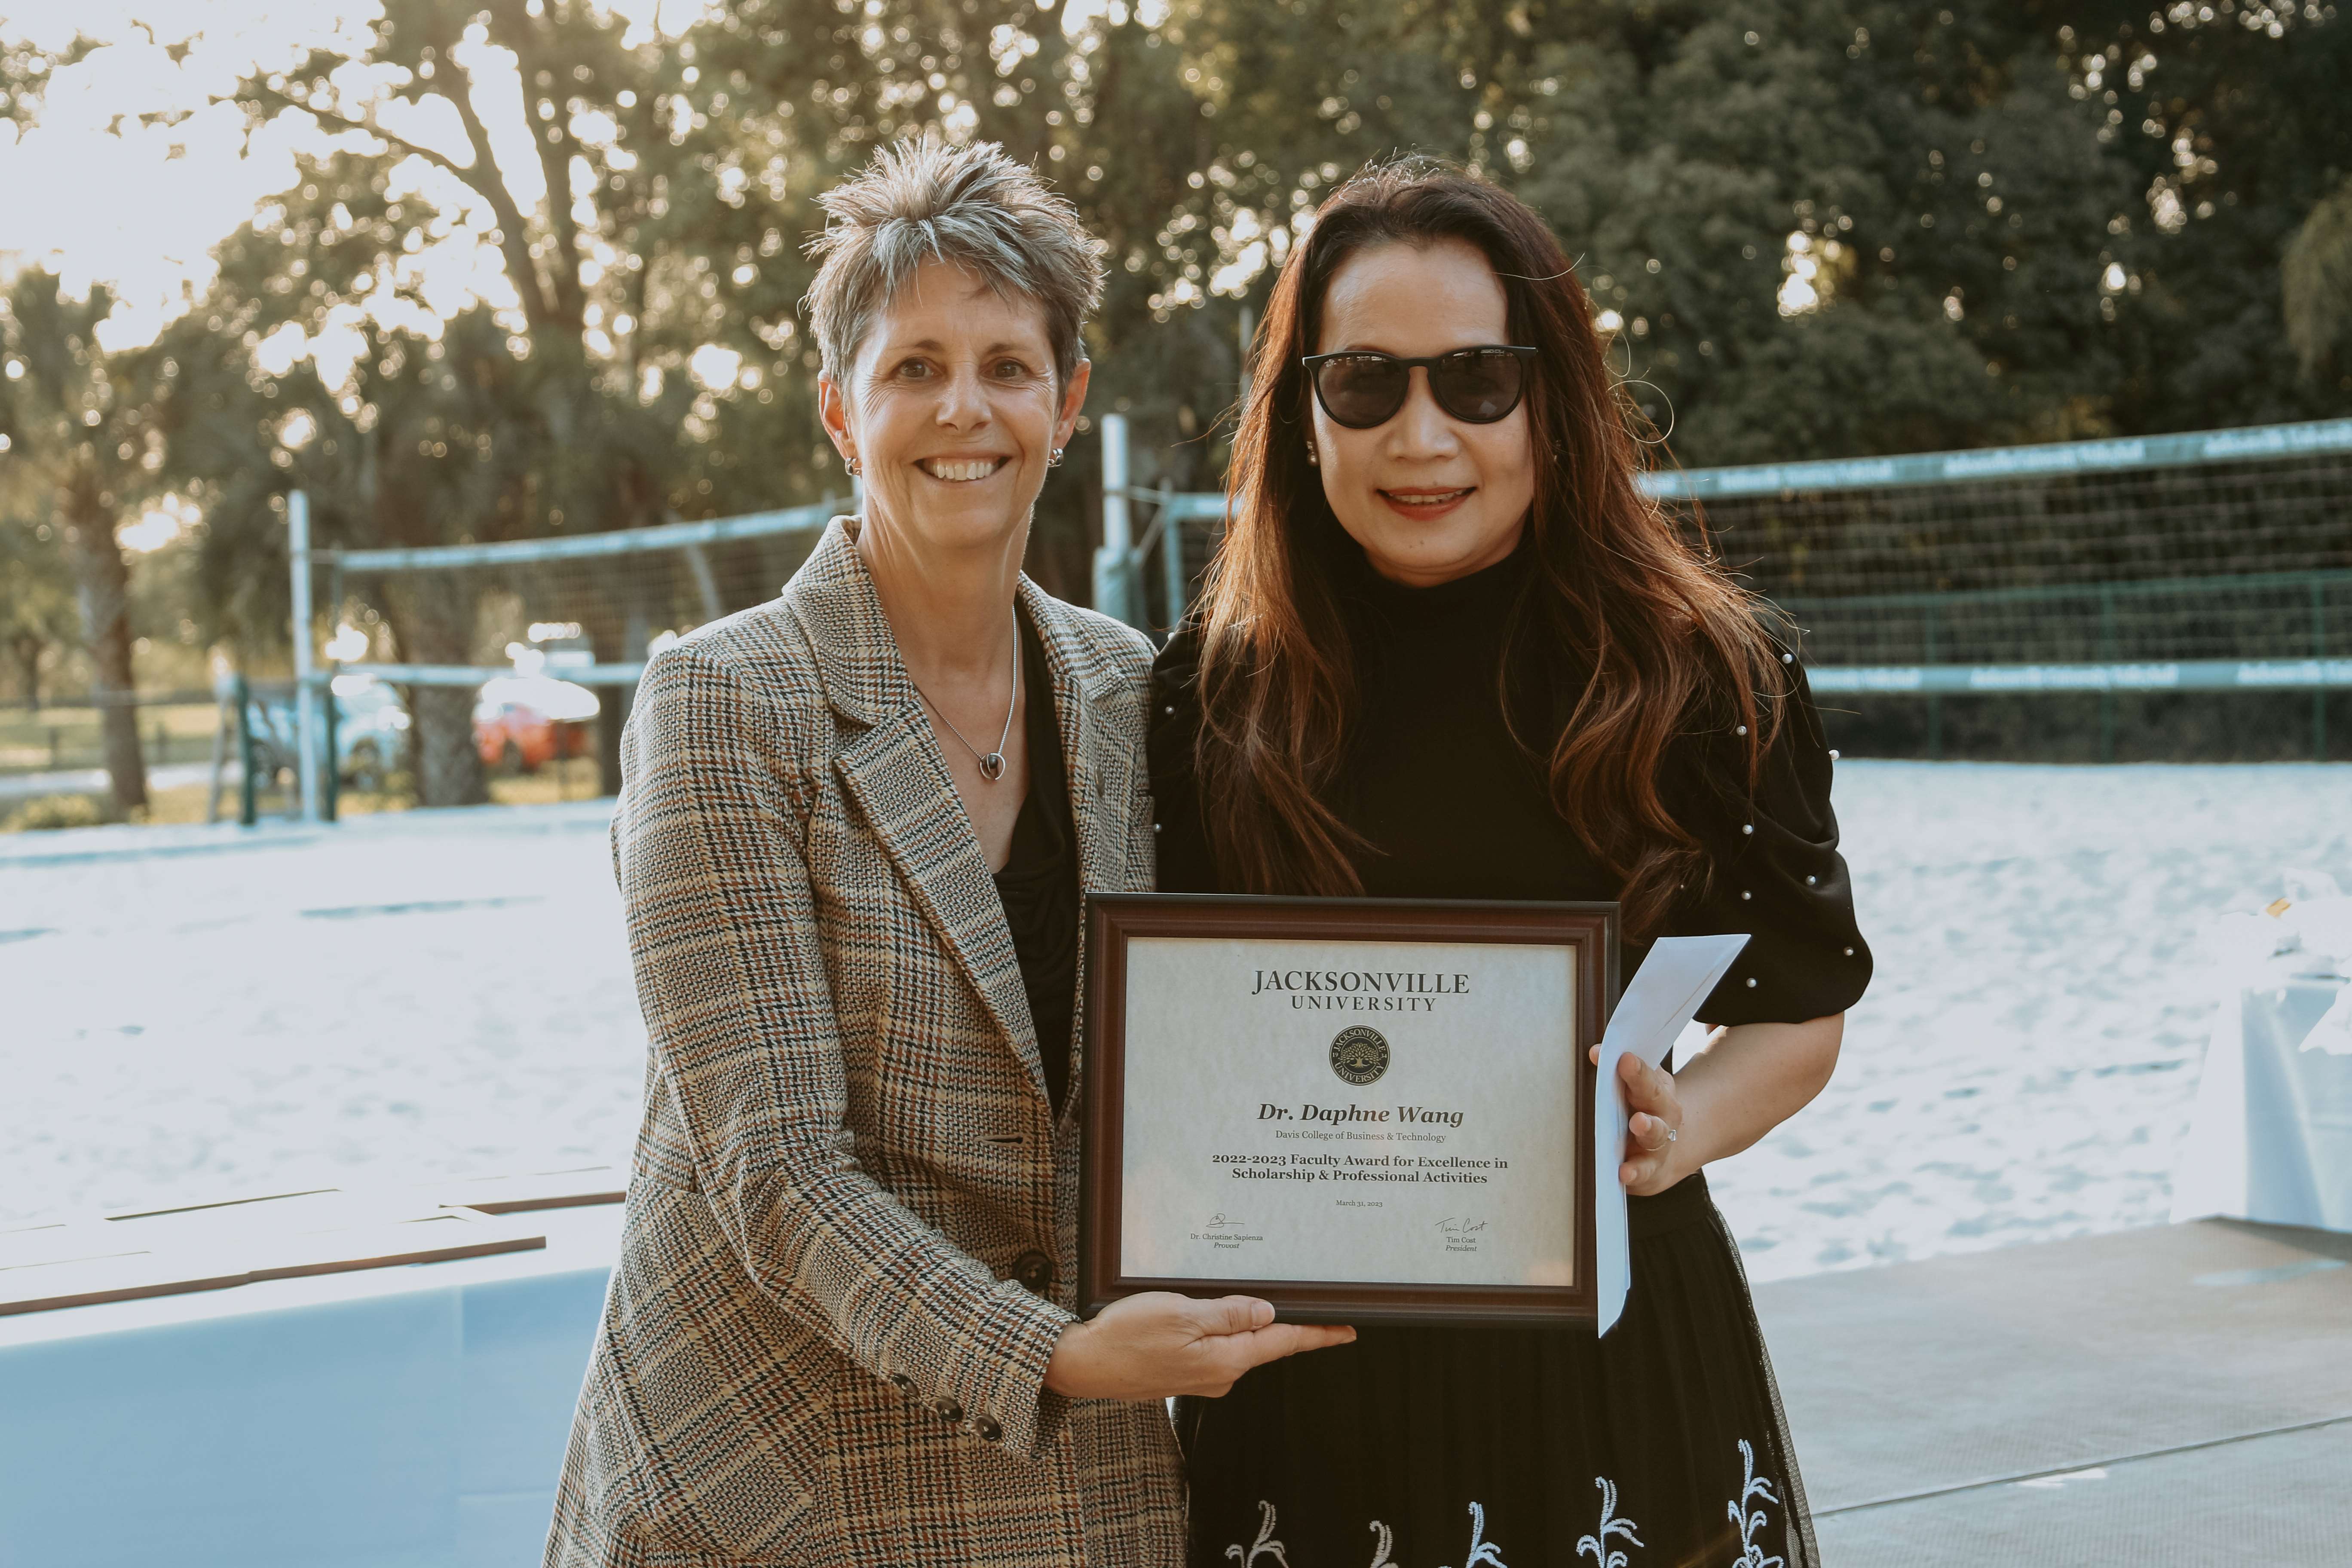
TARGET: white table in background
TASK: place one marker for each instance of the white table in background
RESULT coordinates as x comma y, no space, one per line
2271,1139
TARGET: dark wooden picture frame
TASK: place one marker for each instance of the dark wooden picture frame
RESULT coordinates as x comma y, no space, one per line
1115,918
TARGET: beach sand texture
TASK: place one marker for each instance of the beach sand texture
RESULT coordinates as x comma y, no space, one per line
191,1013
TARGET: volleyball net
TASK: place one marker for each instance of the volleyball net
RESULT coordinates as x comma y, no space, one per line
2127,573
586,610
2215,560
2202,563
2090,581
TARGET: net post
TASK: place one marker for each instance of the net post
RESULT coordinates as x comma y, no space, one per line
1172,556
248,804
220,694
2318,652
1112,565
332,784
306,715
1934,700
2107,654
331,780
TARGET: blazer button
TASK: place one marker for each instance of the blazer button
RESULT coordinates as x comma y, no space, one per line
947,1410
1034,1271
987,1428
902,1383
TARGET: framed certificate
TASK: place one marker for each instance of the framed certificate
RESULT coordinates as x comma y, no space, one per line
1360,1110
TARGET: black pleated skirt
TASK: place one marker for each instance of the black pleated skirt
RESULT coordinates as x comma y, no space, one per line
1662,1444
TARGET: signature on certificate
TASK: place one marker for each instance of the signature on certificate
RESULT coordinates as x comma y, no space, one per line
1216,1220
1461,1227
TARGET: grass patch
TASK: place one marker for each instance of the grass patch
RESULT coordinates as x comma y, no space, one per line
574,778
567,780
56,738
48,813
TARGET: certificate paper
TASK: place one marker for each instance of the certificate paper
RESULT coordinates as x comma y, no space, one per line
1667,990
1360,1110
1338,1111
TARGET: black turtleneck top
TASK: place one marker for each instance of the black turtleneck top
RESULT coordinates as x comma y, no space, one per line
1039,884
1451,806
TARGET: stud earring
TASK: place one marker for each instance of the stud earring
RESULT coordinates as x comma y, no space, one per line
1053,458
852,464
1312,460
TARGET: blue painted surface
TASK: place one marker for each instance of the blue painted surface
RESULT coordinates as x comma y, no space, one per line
405,1423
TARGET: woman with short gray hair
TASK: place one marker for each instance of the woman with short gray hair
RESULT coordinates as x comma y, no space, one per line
854,826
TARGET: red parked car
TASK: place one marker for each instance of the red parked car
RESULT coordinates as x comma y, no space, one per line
525,722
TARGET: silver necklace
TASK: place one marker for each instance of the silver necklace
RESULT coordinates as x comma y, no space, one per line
991,764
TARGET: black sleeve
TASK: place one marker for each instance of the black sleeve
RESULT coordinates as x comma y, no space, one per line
1179,831
1774,871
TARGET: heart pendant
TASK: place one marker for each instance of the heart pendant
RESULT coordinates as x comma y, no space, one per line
992,766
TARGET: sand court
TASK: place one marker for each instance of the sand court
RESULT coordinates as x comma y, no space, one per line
220,1011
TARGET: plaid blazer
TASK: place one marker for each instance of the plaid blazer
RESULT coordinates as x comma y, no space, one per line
852,1212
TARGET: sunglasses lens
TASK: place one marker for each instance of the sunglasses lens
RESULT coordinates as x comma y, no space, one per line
1480,386
1362,390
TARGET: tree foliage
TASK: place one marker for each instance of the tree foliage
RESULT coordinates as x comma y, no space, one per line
2316,284
1813,228
83,446
37,597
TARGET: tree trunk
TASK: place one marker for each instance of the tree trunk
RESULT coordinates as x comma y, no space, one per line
103,589
443,756
28,650
618,632
449,766
612,718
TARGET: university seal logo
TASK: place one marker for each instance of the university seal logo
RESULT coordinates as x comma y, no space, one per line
1360,1055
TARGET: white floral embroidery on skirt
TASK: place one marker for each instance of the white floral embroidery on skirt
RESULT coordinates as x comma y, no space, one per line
1484,1554
1603,1554
1752,1487
1266,1545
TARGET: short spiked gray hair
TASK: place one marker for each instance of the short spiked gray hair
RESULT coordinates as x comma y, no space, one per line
968,205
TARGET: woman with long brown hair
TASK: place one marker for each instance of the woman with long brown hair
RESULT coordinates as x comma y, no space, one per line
1450,650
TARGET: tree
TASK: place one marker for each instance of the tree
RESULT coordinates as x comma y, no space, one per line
36,594
577,310
1846,147
1896,225
2315,285
2231,118
431,432
79,420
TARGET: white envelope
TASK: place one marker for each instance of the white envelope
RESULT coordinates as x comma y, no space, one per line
1667,990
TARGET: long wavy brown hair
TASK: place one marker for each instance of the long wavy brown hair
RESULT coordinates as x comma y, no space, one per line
1641,636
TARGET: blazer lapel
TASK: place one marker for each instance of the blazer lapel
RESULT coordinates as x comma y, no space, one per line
894,774
1099,776
1098,769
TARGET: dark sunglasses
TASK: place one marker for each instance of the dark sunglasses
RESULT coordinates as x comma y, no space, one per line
1361,387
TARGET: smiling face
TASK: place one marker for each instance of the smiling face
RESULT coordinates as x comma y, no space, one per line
1431,498
951,407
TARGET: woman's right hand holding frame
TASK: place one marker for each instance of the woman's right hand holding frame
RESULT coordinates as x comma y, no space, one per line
1159,1344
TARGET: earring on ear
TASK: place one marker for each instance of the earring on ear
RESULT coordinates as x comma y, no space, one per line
1053,458
852,464
1312,460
